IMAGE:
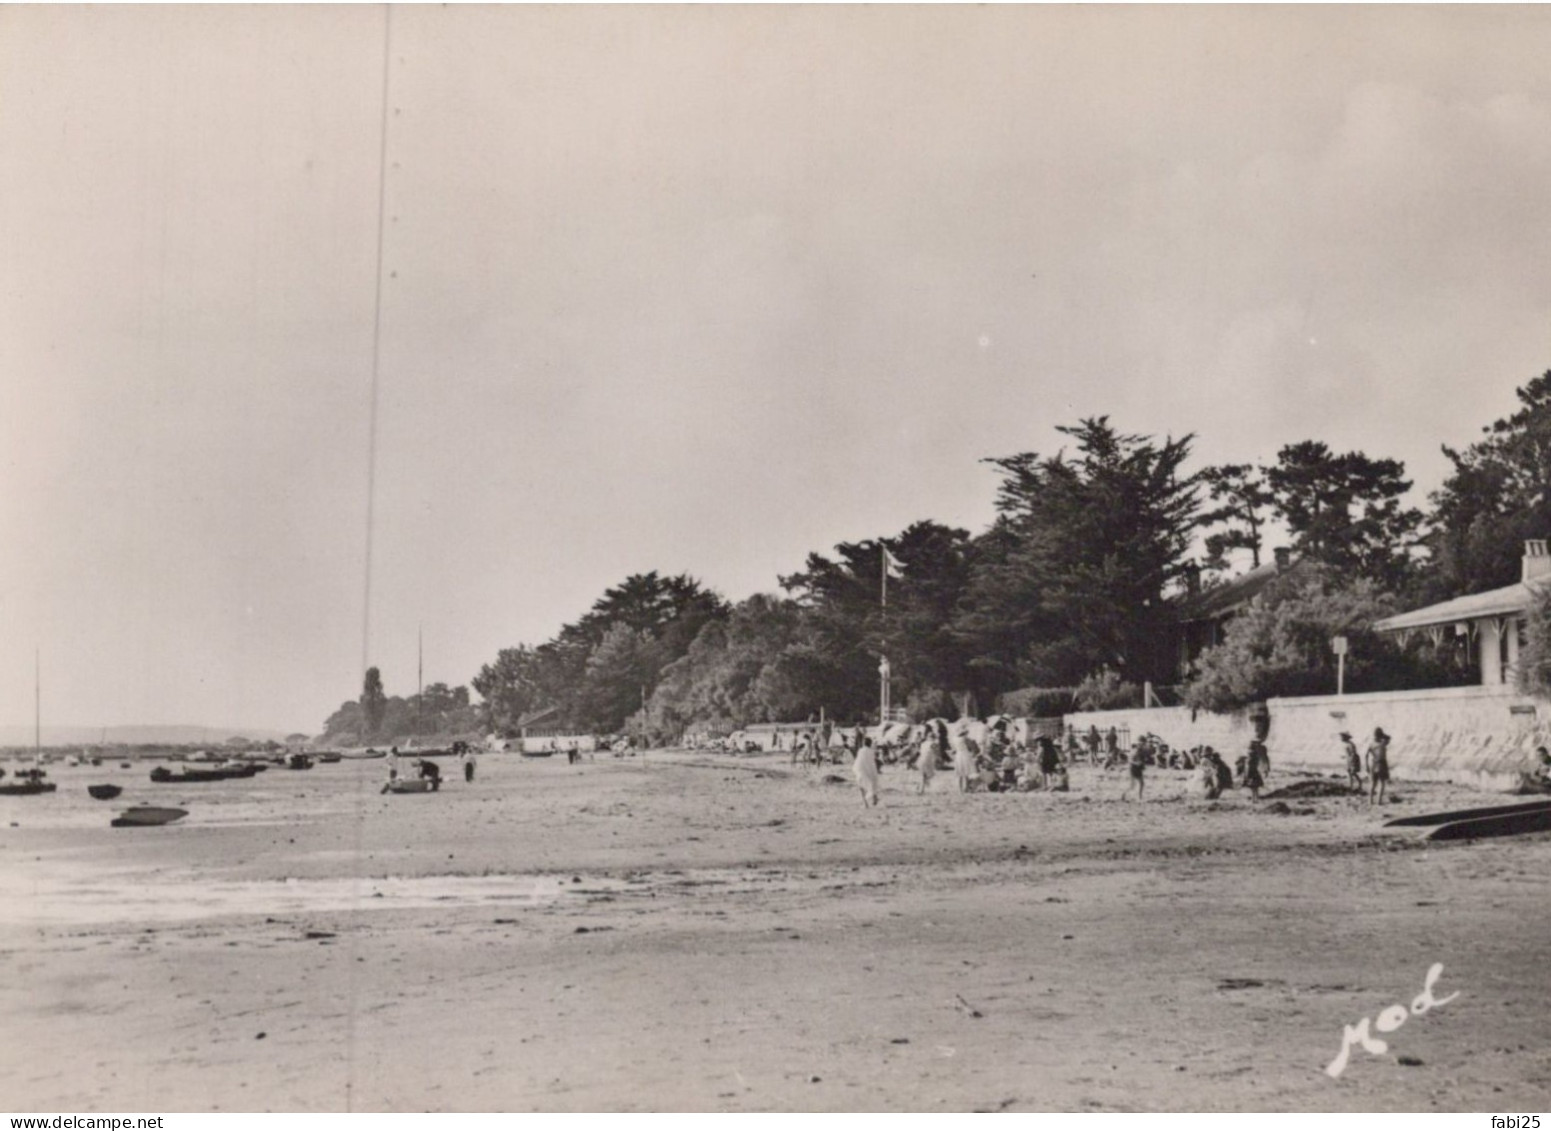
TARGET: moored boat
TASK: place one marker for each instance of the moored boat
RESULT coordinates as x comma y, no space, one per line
24,788
104,792
409,785
163,776
145,815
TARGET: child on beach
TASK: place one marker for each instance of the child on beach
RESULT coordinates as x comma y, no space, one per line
1354,763
1253,778
1378,765
1137,766
1206,777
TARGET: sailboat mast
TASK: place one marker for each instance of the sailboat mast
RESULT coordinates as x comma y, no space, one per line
37,700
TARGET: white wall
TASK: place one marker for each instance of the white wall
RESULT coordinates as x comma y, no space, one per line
1483,736
1180,727
562,743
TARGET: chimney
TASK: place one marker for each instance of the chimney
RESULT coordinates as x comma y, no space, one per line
1536,563
1284,557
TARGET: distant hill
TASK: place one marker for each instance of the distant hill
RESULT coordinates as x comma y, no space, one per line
136,735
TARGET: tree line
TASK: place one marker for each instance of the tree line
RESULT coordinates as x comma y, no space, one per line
1073,596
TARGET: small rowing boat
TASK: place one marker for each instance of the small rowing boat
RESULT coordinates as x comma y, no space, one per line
409,785
104,792
146,815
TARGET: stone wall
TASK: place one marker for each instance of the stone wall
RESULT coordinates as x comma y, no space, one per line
537,744
1178,726
1482,736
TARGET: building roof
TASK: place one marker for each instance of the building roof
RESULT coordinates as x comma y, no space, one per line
1220,600
537,716
1493,603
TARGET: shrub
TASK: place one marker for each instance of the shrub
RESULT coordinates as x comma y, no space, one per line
1038,702
1106,691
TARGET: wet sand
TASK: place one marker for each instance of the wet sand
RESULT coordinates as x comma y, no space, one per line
697,932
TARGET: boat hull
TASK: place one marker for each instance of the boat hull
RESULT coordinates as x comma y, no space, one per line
23,789
1453,815
145,816
163,776
1506,824
412,785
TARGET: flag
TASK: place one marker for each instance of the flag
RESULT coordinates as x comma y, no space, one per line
892,566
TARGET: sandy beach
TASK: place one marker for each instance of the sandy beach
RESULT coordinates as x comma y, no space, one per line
699,932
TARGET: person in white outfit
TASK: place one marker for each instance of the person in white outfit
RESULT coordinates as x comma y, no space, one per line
866,769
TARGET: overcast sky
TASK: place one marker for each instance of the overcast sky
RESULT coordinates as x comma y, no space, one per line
689,289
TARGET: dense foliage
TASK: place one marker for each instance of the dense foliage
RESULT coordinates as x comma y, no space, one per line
1075,588
1534,674
437,713
1281,645
1496,498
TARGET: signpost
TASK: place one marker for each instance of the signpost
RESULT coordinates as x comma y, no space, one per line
1338,646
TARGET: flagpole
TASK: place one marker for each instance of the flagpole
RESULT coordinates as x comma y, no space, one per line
883,664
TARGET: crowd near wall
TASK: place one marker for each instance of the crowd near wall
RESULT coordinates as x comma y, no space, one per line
1482,736
558,743
1180,727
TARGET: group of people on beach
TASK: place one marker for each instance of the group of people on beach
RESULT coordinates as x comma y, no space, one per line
986,756
989,758
1377,763
428,770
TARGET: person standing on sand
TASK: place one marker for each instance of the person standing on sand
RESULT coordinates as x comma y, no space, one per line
1354,763
866,770
1137,766
393,764
467,757
926,759
1253,778
1378,765
1049,760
